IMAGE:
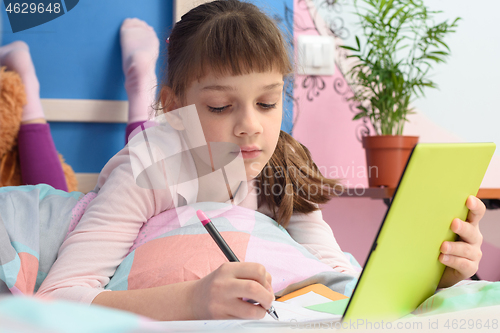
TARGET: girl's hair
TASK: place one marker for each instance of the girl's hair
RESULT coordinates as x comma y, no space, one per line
229,37
291,182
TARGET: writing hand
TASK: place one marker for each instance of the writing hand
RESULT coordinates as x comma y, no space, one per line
222,293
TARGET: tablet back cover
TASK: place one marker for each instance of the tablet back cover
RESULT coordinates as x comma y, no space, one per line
403,268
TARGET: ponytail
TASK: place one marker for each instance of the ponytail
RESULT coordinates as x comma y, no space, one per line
291,182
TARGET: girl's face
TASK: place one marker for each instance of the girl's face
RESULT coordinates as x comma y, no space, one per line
245,110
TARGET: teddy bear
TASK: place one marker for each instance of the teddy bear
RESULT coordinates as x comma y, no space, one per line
12,100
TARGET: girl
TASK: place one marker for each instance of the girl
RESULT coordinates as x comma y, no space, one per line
229,60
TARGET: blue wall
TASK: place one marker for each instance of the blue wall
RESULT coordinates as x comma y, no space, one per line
77,56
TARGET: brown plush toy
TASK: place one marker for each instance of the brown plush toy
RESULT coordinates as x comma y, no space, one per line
12,99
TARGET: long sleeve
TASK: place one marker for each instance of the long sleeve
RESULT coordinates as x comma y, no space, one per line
312,232
91,253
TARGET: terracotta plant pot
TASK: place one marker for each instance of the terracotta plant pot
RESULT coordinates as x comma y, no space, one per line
386,157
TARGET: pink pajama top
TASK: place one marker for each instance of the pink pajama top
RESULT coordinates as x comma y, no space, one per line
91,253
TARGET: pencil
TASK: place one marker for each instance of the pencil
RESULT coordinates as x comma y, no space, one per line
207,223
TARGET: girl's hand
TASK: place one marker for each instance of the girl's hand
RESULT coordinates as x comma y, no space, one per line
462,256
220,294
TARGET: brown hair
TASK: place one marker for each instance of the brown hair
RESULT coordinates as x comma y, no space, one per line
301,186
227,37
230,37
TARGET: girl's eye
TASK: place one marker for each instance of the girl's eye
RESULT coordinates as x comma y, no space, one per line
267,106
222,108
217,110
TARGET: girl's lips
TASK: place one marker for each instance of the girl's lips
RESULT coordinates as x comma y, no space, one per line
251,154
249,148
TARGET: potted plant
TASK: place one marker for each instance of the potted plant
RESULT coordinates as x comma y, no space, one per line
391,66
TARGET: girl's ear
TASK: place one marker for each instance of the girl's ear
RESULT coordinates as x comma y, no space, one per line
168,99
169,103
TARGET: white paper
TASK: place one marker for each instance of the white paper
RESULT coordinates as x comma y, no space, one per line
290,315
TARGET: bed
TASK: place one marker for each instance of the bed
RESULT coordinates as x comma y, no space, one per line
469,305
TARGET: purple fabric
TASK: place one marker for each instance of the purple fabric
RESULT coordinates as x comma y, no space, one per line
136,127
38,157
130,127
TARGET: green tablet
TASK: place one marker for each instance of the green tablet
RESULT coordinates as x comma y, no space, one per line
402,269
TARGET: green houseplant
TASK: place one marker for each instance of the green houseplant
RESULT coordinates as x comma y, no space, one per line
390,69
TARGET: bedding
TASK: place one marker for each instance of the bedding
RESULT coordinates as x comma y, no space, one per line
164,252
458,307
34,220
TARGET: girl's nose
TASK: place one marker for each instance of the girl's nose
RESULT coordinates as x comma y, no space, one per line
248,122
